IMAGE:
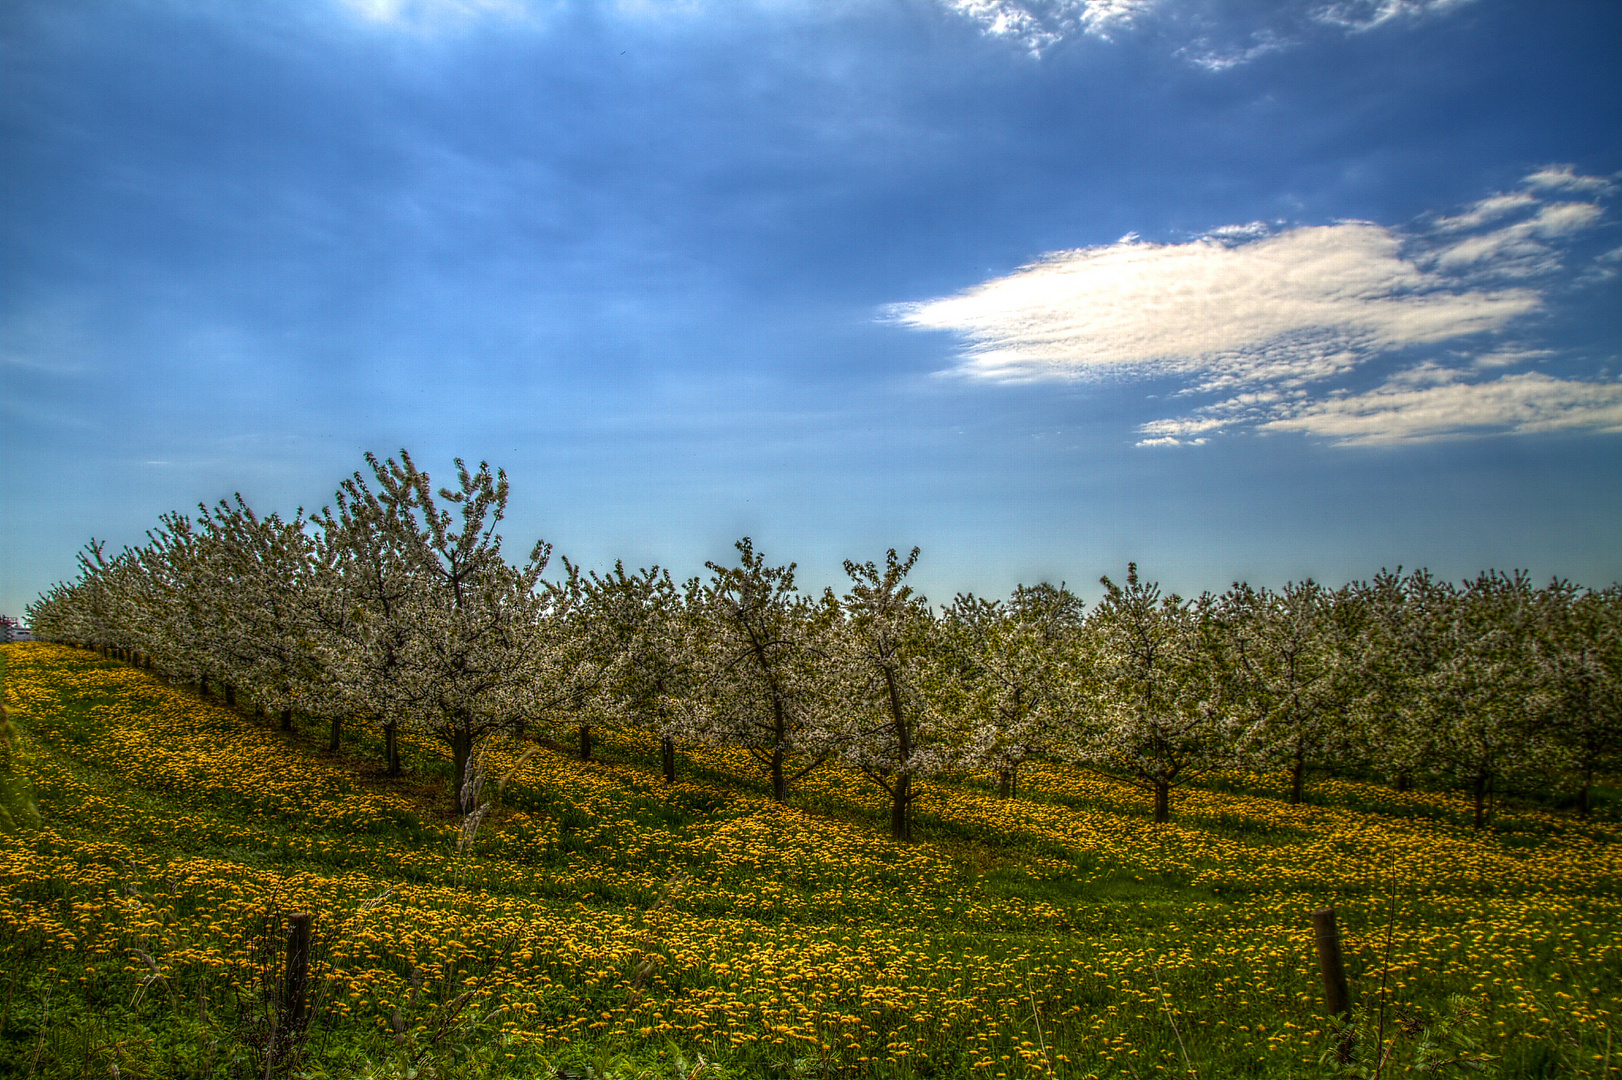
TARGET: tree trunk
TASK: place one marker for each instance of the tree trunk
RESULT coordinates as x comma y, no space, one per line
1298,774
779,781
585,742
667,756
230,697
391,747
332,742
1583,793
901,809
1478,791
287,719
1008,782
1402,782
461,750
1162,801
900,817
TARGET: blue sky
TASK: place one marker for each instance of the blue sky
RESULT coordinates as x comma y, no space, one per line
1233,289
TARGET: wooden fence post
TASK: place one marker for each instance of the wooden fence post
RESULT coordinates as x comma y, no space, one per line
1333,969
295,984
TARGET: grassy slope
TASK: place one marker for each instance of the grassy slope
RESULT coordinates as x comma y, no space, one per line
1058,934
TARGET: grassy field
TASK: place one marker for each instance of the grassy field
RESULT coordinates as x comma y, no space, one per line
604,924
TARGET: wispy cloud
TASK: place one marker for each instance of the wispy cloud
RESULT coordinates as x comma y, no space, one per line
1203,54
1566,178
1211,35
1499,358
1274,318
1039,24
1488,209
1525,247
1362,15
1290,304
1410,409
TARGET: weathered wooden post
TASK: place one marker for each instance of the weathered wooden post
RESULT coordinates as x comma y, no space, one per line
296,982
1333,969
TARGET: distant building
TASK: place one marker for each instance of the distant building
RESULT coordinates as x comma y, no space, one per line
10,631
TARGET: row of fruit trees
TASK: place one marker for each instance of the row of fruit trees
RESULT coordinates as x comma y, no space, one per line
396,607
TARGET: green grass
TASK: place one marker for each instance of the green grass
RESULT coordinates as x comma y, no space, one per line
1060,934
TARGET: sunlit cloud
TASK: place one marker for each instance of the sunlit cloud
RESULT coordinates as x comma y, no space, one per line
1039,24
1291,304
1274,320
1522,248
1362,15
1426,409
1499,358
1203,54
1488,209
1213,36
1210,36
1566,178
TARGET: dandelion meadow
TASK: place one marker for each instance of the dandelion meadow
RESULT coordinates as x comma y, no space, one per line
603,923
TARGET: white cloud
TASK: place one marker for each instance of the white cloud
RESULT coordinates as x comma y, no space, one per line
1202,54
1488,209
1298,305
1522,248
1603,268
1559,219
1179,432
1213,39
1508,357
1039,24
1439,405
1566,178
1270,319
1231,234
1360,15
